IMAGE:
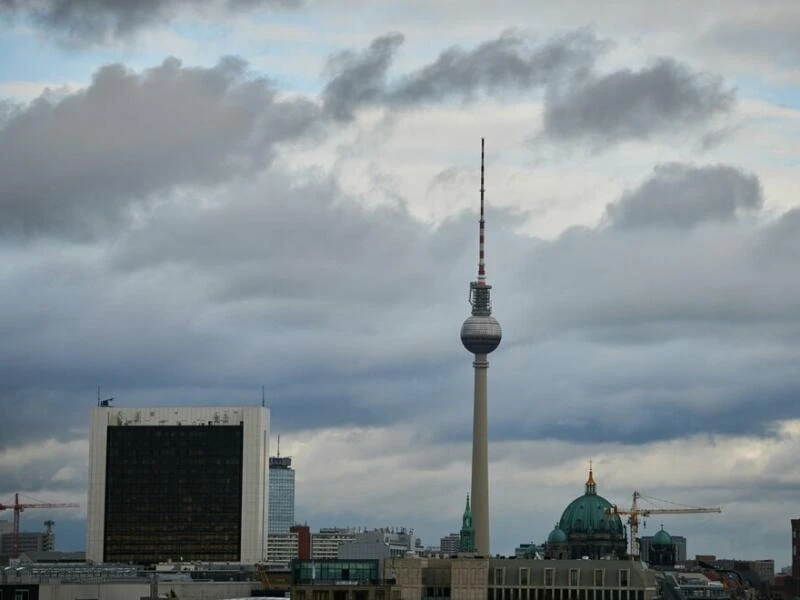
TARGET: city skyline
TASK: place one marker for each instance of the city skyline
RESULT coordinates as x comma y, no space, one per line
212,196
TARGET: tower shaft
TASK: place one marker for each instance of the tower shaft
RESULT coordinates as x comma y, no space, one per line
480,459
481,334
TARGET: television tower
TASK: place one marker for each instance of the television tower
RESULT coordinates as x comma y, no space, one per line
480,334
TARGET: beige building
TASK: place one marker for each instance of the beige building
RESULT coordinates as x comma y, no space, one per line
514,579
282,548
469,578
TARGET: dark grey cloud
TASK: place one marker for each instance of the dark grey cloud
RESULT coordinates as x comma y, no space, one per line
680,195
80,22
580,104
510,63
77,164
634,105
359,79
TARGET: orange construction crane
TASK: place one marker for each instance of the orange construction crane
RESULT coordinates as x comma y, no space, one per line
636,511
17,507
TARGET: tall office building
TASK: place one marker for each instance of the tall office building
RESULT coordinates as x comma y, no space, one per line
480,334
281,494
796,548
179,483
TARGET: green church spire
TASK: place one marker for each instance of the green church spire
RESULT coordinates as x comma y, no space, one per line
467,542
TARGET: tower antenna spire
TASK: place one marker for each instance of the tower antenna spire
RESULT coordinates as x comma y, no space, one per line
482,228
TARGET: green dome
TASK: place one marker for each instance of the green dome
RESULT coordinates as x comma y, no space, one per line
590,513
662,538
557,536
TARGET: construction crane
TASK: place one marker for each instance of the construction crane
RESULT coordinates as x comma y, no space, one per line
637,511
18,507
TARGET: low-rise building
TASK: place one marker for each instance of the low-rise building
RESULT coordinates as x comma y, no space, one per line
378,544
325,542
282,548
678,542
450,543
473,578
28,542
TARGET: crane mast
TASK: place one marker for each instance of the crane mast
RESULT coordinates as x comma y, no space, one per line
18,507
636,511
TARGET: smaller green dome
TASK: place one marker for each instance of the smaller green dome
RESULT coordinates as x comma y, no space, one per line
662,538
557,536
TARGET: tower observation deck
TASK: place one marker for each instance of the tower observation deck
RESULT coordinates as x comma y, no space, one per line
480,334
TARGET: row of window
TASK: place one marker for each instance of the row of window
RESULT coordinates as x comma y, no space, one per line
18,595
563,594
598,579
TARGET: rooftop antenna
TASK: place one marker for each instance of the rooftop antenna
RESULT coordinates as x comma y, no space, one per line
279,445
481,264
263,397
98,395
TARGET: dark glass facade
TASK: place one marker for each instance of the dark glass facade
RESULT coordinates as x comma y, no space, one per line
173,493
333,570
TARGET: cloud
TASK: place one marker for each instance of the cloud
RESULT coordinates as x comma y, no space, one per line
80,22
634,105
767,37
74,165
579,103
510,63
679,195
646,339
359,79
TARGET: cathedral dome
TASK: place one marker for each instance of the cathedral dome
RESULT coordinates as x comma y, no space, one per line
557,536
662,538
590,515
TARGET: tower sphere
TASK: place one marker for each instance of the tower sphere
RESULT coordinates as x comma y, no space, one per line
481,334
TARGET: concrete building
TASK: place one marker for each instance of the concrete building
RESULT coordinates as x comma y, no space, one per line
480,334
282,549
472,578
568,579
678,541
303,541
281,494
325,543
378,544
530,550
129,590
29,541
177,483
450,544
764,568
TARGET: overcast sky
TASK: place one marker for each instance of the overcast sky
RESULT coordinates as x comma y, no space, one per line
198,198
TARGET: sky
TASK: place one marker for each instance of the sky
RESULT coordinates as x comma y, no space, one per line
199,198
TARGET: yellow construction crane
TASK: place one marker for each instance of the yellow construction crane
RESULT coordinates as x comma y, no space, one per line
636,511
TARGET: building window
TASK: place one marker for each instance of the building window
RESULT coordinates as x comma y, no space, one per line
623,577
549,577
573,577
598,578
21,595
499,576
524,576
